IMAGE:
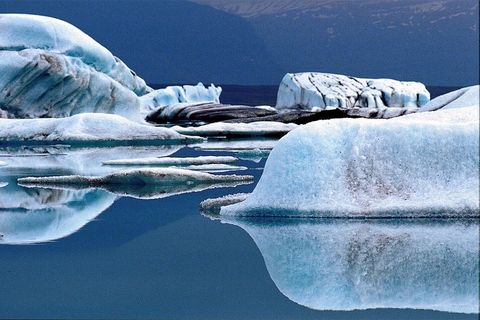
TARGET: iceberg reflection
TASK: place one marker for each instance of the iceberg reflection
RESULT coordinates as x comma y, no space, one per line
347,265
39,215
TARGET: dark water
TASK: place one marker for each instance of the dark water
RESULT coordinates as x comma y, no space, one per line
162,259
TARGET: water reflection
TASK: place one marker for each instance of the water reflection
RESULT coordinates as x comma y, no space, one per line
347,265
38,215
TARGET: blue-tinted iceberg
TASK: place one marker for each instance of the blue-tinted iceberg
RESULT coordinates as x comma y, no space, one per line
381,98
423,164
50,68
348,265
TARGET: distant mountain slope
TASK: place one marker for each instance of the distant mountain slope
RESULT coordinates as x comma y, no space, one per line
167,41
434,41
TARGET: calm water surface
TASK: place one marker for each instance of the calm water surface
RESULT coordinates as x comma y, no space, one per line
100,255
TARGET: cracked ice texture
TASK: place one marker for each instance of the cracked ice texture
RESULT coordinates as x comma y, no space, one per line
323,90
49,68
423,164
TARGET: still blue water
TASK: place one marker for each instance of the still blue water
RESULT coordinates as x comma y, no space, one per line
163,259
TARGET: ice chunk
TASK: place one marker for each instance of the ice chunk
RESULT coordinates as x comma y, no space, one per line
223,129
49,68
34,216
141,183
464,97
350,265
324,90
213,206
173,99
207,112
236,145
135,177
423,164
86,127
3,164
170,161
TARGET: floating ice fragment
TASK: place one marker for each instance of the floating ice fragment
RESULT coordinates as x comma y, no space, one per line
135,177
223,129
171,161
213,206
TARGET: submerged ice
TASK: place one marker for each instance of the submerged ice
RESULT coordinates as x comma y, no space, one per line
424,164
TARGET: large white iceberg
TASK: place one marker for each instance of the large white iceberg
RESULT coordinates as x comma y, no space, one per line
423,164
318,91
50,68
86,127
349,265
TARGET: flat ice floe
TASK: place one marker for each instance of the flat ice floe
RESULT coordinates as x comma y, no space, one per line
172,161
327,264
65,159
141,183
135,177
321,91
253,129
86,127
424,164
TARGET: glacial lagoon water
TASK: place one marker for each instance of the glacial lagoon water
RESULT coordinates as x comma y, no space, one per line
91,253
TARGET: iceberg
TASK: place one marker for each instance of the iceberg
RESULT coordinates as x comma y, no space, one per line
423,165
464,97
253,129
212,207
320,91
50,68
328,264
87,127
172,161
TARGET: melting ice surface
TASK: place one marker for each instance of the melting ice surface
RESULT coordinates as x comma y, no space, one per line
347,265
424,164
